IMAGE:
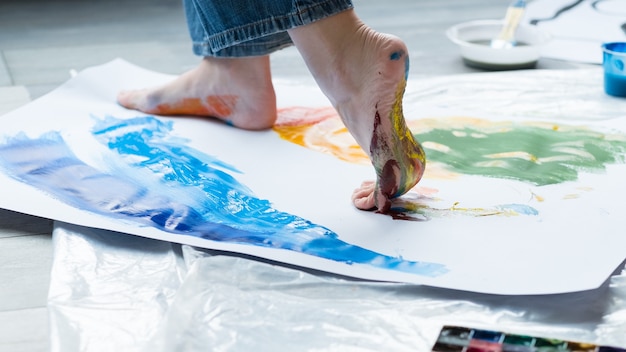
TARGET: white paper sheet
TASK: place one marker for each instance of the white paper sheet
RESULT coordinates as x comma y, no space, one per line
578,27
570,241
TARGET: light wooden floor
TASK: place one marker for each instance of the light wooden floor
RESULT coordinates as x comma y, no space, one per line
41,41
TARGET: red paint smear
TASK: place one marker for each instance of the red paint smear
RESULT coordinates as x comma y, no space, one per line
299,116
220,106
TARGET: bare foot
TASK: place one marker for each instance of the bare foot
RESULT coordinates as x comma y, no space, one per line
363,73
238,91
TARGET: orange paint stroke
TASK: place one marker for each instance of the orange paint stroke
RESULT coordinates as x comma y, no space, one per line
319,129
537,197
220,106
304,116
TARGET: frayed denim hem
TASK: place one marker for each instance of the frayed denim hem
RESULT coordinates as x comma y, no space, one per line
255,47
267,35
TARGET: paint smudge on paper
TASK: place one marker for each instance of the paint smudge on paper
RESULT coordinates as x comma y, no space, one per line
535,153
532,152
557,13
319,129
159,181
407,208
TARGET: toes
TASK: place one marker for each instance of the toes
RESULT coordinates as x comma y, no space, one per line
367,188
123,98
128,99
369,197
363,197
366,203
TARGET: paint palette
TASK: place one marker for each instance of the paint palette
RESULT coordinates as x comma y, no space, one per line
462,339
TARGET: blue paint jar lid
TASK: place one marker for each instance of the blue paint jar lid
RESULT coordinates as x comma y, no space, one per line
617,48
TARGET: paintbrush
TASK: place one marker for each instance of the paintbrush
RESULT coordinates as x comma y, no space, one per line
514,14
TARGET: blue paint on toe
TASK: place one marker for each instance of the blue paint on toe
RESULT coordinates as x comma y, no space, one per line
396,55
406,68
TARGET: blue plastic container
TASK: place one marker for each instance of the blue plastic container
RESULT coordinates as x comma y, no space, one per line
614,63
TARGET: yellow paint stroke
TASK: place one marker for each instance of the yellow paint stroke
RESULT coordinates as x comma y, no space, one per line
519,155
417,209
477,211
578,195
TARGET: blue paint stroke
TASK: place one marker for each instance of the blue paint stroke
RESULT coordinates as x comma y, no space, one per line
196,194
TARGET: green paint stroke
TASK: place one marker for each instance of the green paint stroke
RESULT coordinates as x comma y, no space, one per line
538,154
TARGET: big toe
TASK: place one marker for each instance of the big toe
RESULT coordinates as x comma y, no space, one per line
363,197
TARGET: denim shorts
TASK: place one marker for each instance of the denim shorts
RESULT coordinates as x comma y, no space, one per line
238,28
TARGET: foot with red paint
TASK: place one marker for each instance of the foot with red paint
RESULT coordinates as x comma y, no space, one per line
238,91
363,73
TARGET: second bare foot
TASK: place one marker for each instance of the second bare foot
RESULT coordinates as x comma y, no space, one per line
238,91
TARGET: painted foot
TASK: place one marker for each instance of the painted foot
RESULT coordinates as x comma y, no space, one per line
363,73
237,91
397,157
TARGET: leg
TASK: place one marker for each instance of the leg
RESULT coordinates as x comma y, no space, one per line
233,81
363,73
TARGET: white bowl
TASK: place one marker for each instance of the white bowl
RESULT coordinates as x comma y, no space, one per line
474,39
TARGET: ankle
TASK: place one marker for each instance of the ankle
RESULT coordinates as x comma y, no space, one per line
323,44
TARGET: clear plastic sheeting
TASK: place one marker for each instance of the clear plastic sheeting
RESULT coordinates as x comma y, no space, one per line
550,94
109,291
117,292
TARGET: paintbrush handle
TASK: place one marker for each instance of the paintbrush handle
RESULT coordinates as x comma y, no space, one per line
513,17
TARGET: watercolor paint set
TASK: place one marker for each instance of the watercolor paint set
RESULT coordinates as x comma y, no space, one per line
463,339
